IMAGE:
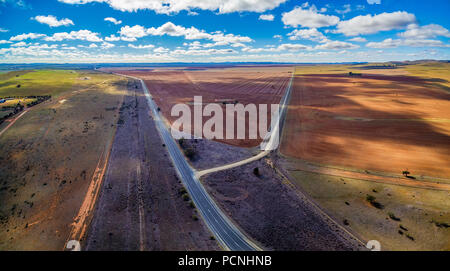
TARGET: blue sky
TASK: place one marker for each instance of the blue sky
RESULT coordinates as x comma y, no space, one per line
65,31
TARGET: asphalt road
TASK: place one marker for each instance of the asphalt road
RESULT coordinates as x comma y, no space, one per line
228,235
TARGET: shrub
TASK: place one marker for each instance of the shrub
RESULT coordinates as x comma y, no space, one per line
185,197
393,217
189,152
372,200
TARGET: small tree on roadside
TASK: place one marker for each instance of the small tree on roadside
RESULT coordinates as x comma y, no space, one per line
256,171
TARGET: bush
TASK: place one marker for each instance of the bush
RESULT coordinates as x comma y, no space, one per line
189,152
181,141
185,197
372,200
393,217
182,191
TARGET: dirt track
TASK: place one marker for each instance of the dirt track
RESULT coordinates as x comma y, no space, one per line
140,207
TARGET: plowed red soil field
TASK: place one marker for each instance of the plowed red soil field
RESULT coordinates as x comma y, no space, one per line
374,122
246,85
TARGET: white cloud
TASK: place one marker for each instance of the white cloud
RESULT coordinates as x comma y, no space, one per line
161,50
112,38
174,6
26,36
113,20
307,34
371,2
278,37
19,44
292,47
201,52
415,31
266,17
191,33
141,46
369,24
2,30
52,21
75,35
136,31
336,45
345,9
393,43
107,45
358,39
282,47
308,18
4,41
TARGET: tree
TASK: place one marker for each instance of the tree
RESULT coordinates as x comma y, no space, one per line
256,171
406,173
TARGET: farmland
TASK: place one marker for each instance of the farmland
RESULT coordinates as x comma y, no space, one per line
362,122
50,154
348,140
245,85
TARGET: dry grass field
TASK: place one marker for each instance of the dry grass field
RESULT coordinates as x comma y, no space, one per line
49,155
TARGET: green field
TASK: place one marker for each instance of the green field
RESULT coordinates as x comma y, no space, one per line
39,83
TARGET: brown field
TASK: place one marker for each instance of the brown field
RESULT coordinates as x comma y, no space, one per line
386,123
347,138
257,85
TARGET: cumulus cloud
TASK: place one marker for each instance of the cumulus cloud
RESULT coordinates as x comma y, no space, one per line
174,6
19,44
2,30
161,50
190,33
278,37
336,45
141,46
358,39
86,35
308,18
281,47
5,41
292,47
26,36
415,31
52,21
266,17
201,52
107,45
393,43
112,38
368,24
113,20
307,34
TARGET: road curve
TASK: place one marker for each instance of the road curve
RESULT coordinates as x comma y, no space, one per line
228,235
269,143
